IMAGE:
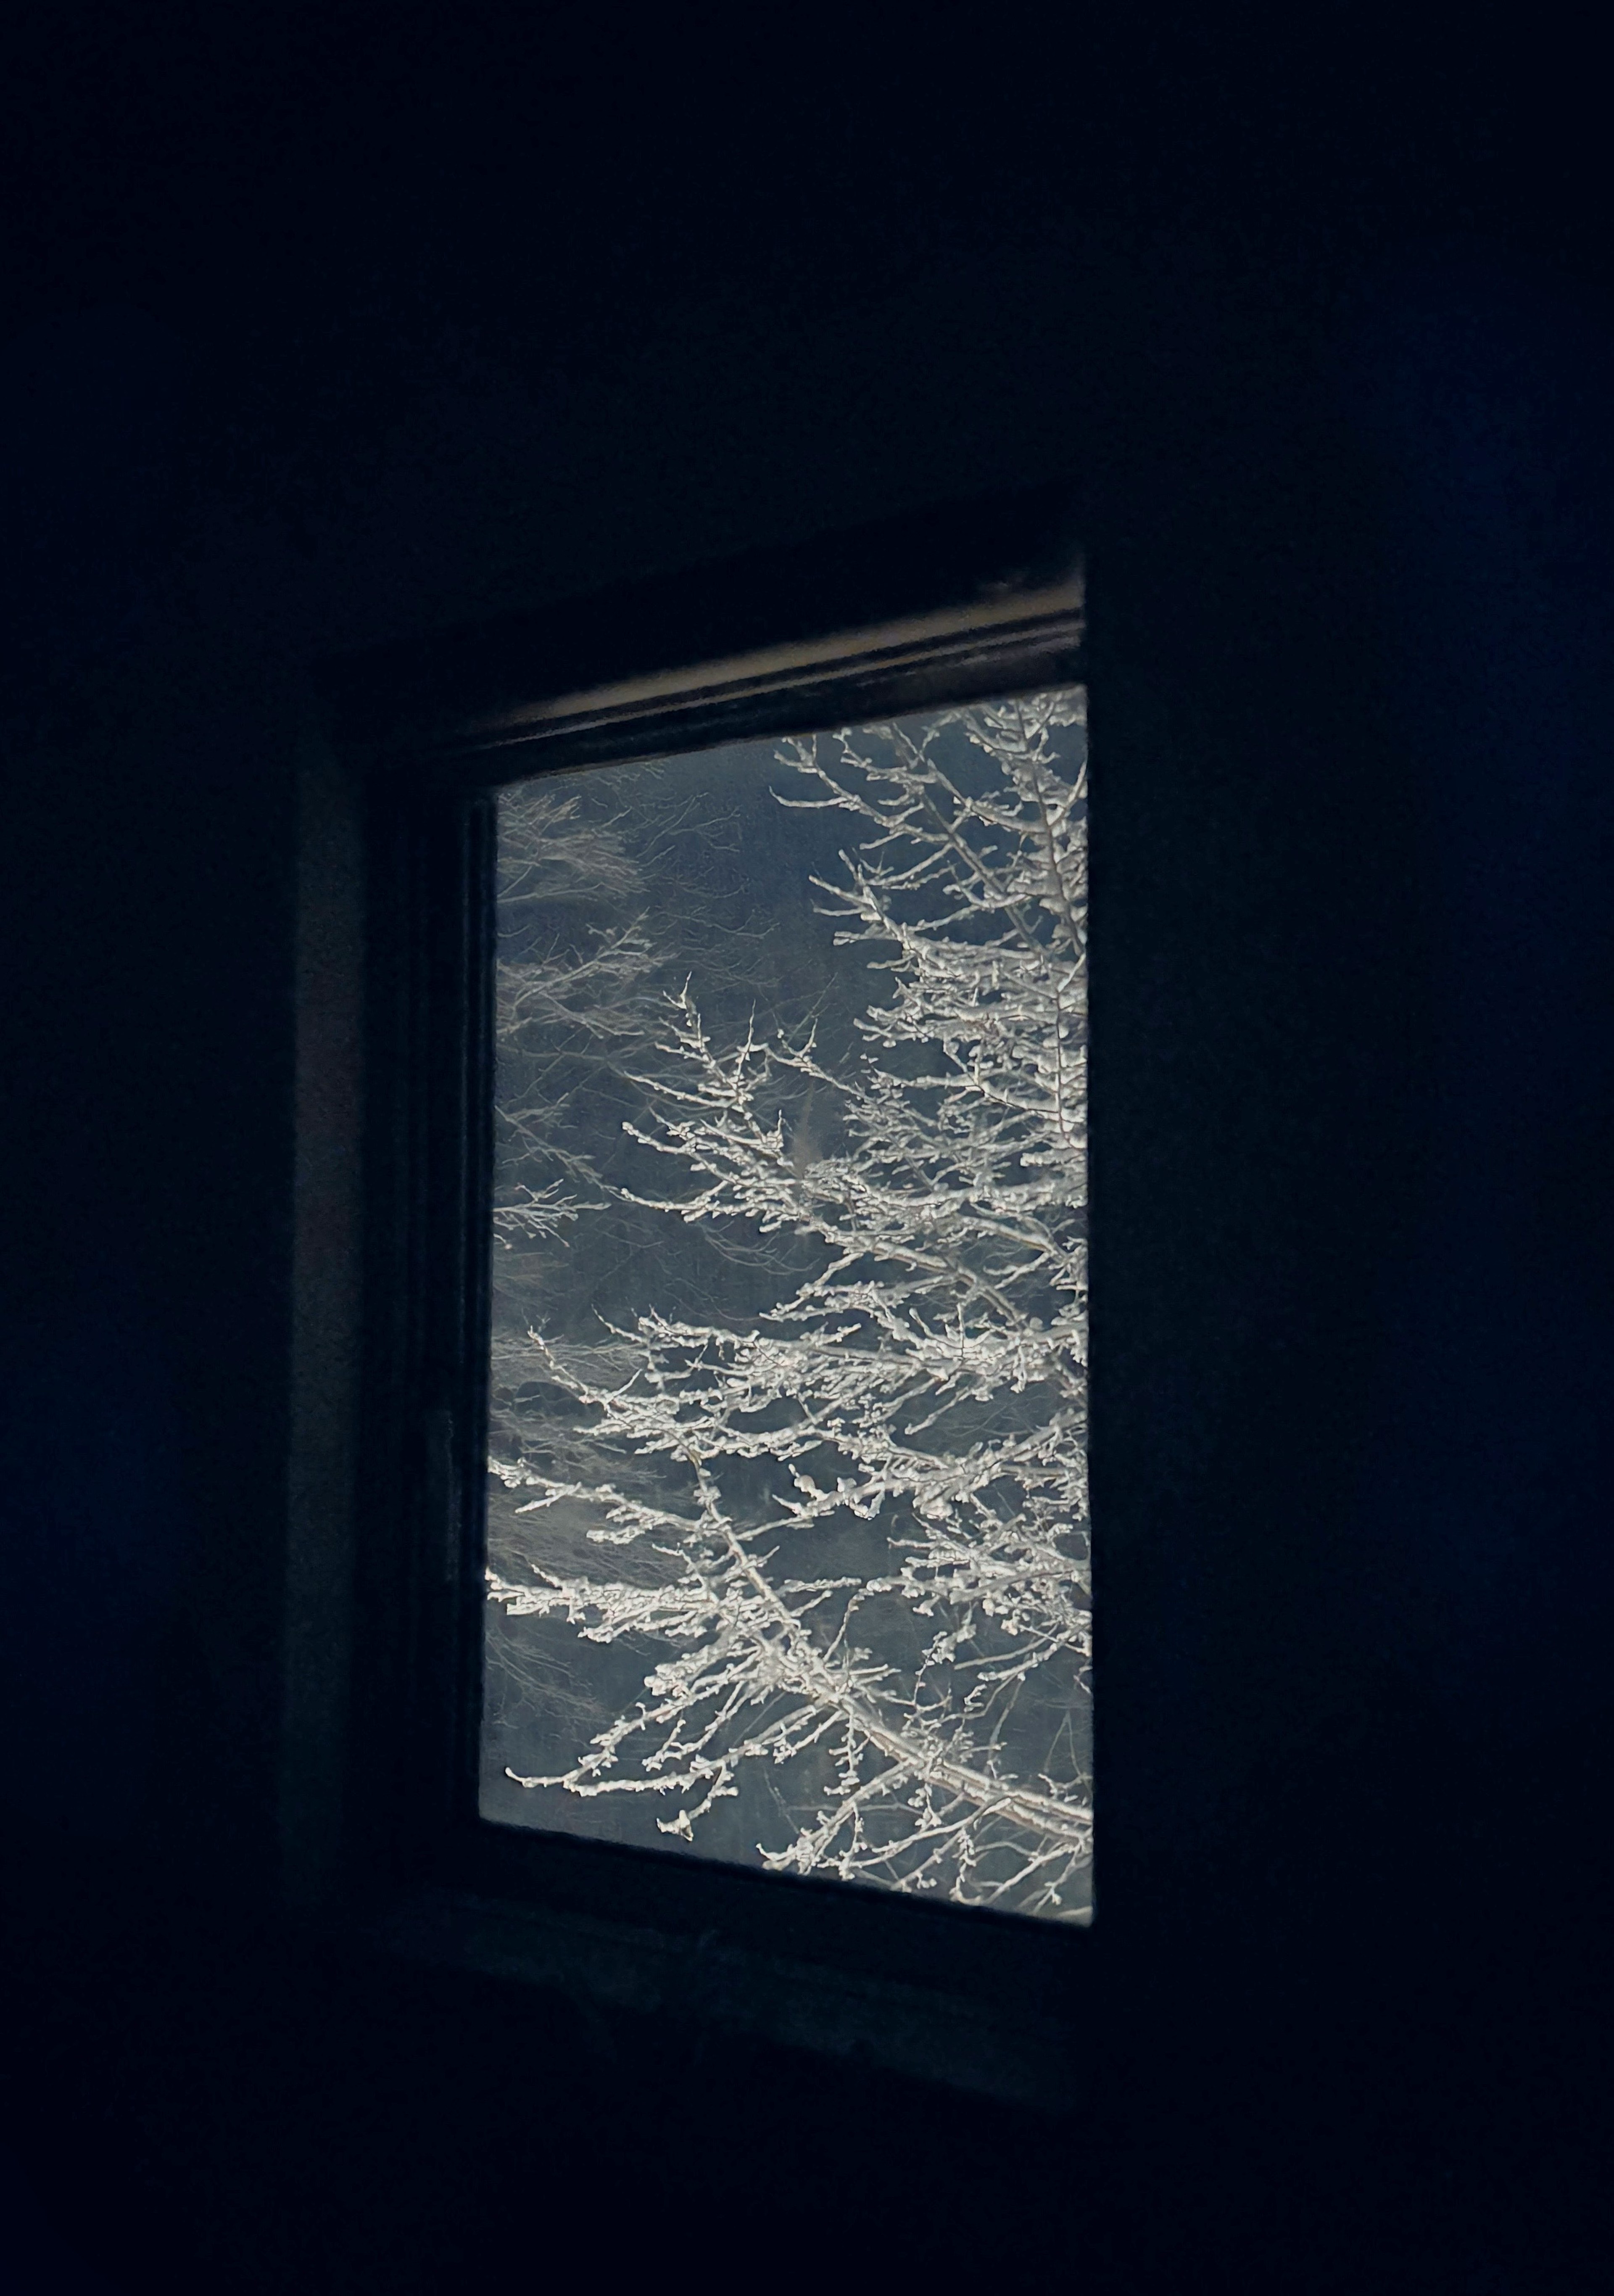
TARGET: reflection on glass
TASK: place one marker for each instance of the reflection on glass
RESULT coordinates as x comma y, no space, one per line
788,1513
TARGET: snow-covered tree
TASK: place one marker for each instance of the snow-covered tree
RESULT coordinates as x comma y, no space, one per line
601,909
565,1012
851,1523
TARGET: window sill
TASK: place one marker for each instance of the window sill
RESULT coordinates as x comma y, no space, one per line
917,2031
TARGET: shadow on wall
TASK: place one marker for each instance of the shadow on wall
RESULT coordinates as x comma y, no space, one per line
91,406
92,1550
35,2258
1485,1515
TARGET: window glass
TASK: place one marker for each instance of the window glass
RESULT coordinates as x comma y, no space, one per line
787,1535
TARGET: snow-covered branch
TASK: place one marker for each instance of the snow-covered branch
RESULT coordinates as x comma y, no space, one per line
860,1512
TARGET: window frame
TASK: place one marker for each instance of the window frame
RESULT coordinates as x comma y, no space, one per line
961,604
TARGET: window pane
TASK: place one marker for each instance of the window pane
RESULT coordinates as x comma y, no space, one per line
788,1502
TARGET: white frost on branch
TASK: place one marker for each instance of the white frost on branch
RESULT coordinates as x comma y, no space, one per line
563,1013
858,1521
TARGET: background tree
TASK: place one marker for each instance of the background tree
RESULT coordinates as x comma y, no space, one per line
847,1520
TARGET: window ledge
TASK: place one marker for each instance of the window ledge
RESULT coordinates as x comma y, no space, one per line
917,2031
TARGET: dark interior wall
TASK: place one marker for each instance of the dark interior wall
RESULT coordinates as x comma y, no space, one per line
330,333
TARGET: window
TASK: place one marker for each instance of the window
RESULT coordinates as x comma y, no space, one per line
721,1630
787,1514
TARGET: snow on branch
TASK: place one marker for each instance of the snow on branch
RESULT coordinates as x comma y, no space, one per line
858,1518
